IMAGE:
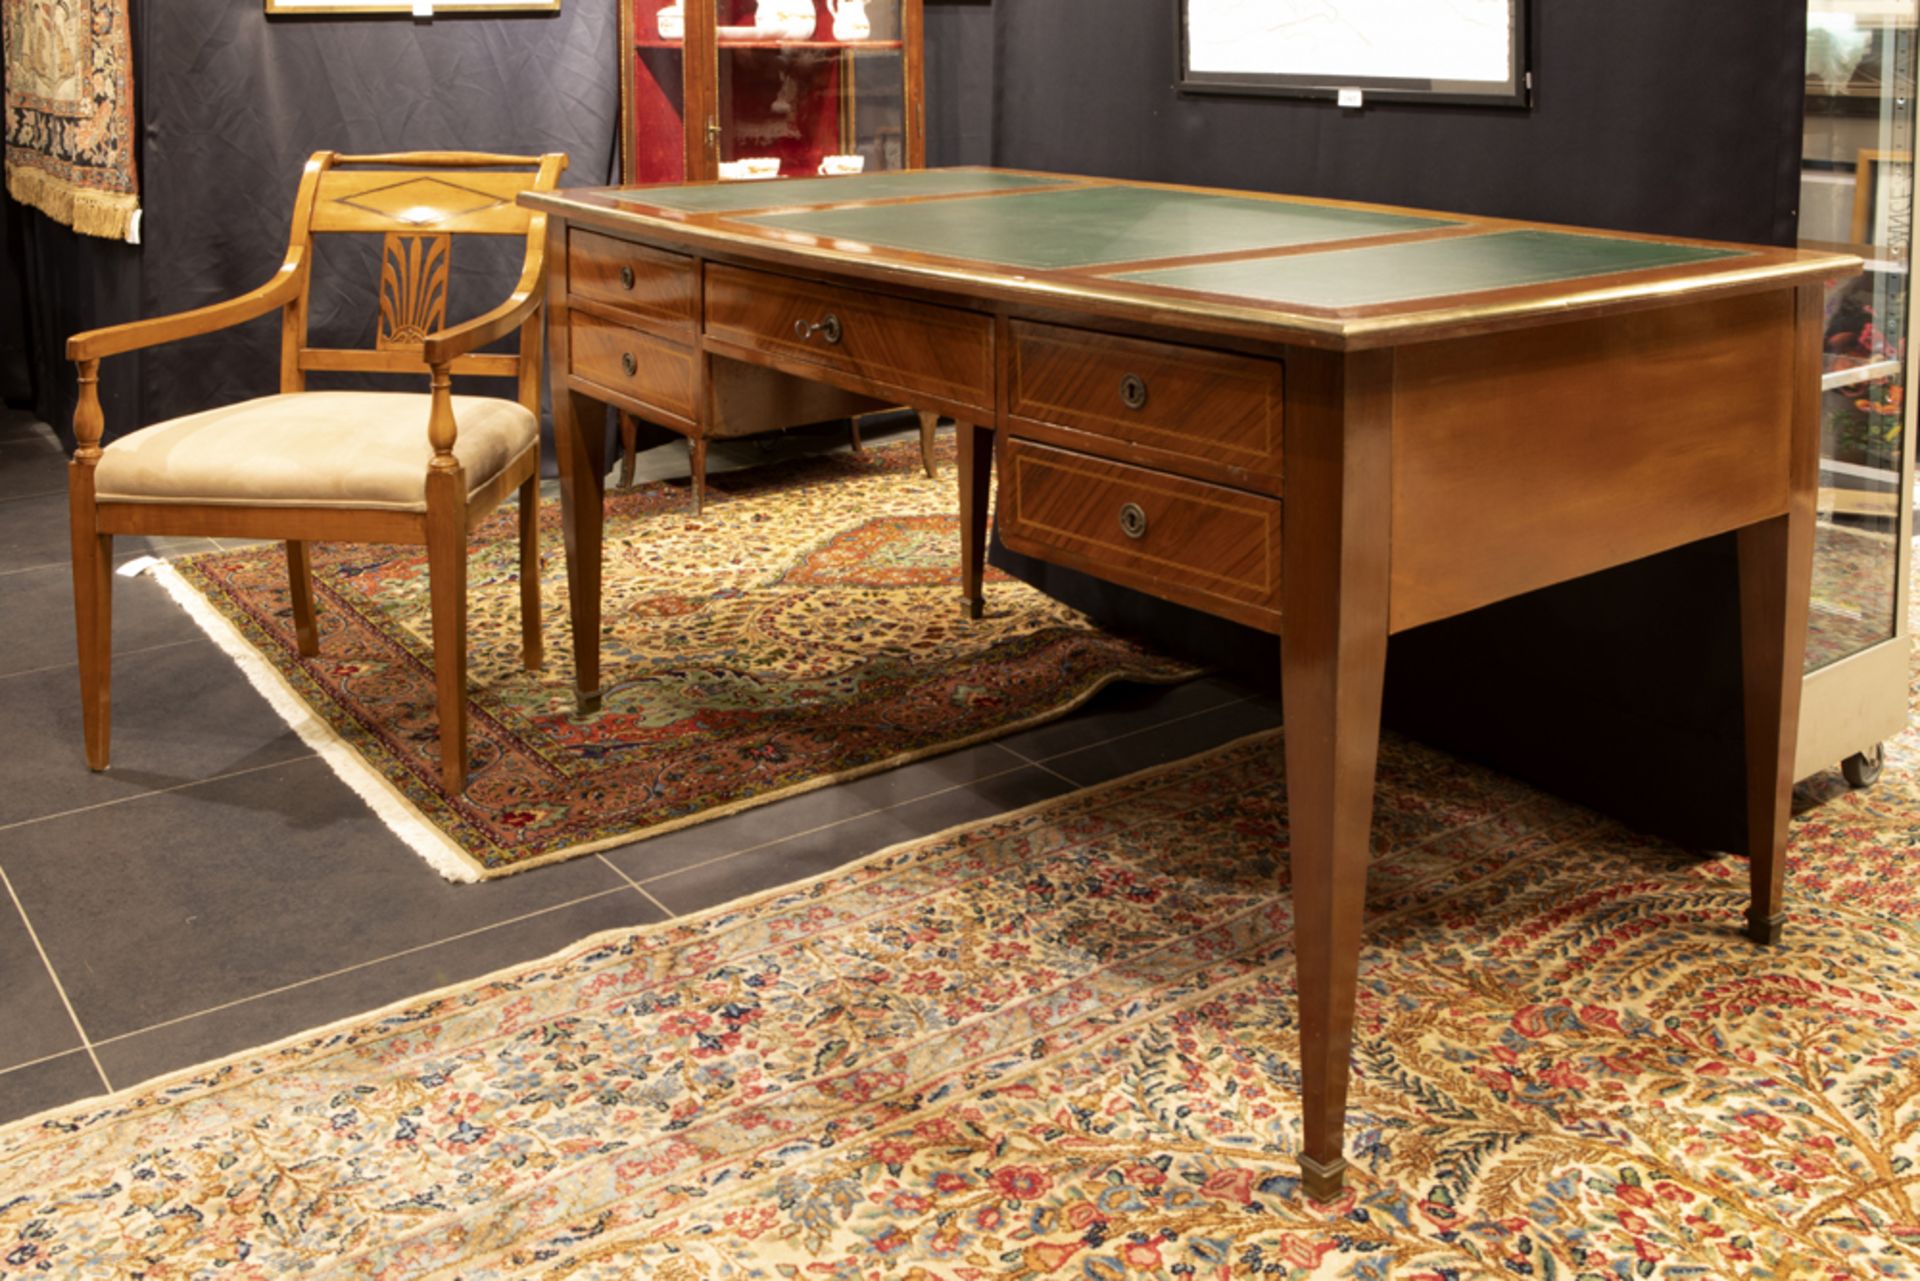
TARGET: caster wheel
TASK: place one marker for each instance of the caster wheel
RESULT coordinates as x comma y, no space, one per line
1862,769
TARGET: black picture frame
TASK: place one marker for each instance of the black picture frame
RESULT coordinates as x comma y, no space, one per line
1516,91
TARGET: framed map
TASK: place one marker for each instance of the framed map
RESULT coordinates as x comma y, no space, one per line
1426,50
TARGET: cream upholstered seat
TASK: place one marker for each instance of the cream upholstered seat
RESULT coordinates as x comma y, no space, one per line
346,449
421,467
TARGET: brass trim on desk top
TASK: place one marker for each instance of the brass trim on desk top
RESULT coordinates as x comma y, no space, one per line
1353,328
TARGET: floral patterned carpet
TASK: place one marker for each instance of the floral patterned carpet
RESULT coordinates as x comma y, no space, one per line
1062,1044
804,630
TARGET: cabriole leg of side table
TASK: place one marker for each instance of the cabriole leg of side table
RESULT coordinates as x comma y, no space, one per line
929,424
579,431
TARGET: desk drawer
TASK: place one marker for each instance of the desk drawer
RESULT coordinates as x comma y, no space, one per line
657,373
1204,545
895,346
659,287
1173,405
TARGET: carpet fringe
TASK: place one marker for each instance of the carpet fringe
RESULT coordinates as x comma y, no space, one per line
393,809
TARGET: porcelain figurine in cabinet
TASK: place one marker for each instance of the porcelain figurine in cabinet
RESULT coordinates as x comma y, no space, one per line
850,21
786,19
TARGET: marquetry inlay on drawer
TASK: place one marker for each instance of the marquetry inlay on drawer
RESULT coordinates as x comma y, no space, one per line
1197,411
886,345
658,374
659,287
1204,545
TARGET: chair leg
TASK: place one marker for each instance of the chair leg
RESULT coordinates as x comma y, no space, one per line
929,423
697,460
532,648
306,631
93,627
853,434
447,588
629,447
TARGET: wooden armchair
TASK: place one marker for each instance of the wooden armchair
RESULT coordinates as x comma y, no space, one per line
388,467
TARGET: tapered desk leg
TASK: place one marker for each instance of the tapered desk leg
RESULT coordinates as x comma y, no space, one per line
975,468
580,438
1776,581
1332,665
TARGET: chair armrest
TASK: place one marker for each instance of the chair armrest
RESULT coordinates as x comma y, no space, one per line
441,348
135,334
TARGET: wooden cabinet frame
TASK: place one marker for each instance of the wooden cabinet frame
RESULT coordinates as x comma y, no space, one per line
700,87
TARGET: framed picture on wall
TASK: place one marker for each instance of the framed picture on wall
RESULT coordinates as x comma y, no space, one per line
1357,51
413,8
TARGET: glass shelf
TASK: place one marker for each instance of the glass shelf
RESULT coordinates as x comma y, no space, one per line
854,46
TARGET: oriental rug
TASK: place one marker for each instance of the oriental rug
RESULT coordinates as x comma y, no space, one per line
1854,575
1062,1044
804,630
69,112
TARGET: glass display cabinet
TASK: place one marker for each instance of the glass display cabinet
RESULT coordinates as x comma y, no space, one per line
1856,194
769,88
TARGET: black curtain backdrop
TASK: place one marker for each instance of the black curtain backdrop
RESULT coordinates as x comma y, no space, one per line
960,73
16,371
1620,690
1650,116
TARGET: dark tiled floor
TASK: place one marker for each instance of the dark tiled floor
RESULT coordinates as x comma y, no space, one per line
219,889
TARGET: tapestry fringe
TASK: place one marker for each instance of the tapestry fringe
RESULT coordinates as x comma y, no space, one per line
108,215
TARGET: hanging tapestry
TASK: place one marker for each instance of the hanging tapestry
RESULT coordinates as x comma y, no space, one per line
69,112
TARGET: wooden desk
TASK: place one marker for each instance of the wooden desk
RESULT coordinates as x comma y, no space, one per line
1331,421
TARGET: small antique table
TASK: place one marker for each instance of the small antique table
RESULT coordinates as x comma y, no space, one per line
1331,421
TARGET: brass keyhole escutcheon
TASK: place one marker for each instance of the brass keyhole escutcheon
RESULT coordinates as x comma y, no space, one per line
1133,521
628,363
1133,391
626,277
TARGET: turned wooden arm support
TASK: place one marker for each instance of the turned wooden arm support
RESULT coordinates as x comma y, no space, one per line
87,349
442,348
136,334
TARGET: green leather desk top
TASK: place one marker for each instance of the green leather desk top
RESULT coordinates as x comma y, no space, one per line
786,192
1215,261
1093,226
1371,275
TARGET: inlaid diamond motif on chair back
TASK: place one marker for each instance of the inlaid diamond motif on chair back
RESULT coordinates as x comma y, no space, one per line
421,467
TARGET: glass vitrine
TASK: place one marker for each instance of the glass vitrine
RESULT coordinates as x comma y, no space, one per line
753,89
1856,194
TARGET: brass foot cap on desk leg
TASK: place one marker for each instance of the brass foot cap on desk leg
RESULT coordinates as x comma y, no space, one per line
973,609
1323,1182
1765,930
584,703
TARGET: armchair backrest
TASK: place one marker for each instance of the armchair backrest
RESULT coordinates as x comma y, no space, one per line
418,201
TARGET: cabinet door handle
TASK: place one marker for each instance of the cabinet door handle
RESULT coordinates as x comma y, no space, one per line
626,277
1133,521
828,329
1133,391
628,363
